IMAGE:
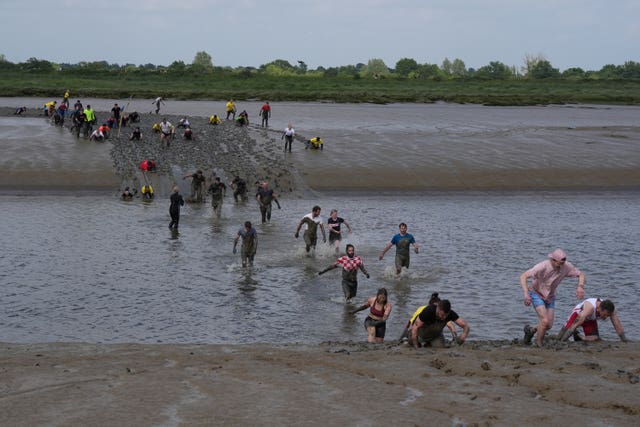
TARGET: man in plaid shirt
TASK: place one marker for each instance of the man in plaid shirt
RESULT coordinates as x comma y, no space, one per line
350,264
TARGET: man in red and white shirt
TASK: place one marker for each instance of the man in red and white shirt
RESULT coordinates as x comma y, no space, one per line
350,264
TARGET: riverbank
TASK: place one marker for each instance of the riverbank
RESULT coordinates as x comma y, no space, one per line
479,383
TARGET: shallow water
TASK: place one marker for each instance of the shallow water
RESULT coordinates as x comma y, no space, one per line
96,269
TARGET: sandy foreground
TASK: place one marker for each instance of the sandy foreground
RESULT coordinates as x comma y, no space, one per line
479,383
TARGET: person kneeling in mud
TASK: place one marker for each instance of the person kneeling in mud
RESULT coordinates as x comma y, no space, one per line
586,315
433,301
350,264
249,245
314,144
427,328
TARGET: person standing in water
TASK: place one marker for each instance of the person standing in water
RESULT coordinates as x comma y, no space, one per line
249,246
312,220
265,196
217,190
174,209
402,241
350,264
335,233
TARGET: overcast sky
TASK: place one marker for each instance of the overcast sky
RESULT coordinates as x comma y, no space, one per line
569,33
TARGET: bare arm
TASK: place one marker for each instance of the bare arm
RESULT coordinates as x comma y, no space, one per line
580,288
364,306
465,329
415,247
587,310
386,248
235,242
348,226
331,267
324,235
615,321
525,288
417,324
298,229
364,270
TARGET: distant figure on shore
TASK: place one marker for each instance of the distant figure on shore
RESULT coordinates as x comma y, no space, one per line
350,264
148,166
334,224
376,321
239,187
231,109
96,136
159,100
174,208
147,192
402,241
127,194
265,114
546,276
249,246
314,144
215,120
188,134
167,131
197,186
288,135
65,98
243,119
312,221
427,327
586,314
265,196
19,111
217,190
115,113
136,135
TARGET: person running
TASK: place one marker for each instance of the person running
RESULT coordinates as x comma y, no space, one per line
376,321
265,196
197,186
312,220
167,131
402,241
218,190
427,327
249,246
90,118
586,314
350,264
545,278
334,226
174,208
288,135
231,109
239,186
159,100
265,114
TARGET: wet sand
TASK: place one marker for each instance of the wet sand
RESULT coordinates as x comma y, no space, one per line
479,383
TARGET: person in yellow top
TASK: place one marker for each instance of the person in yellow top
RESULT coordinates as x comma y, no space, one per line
214,120
65,99
231,109
315,144
156,127
49,108
90,115
147,192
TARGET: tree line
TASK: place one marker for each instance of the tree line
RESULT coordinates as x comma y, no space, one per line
535,67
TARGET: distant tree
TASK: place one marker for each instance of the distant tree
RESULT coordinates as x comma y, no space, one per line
530,61
177,67
34,65
330,72
447,67
405,66
630,70
496,70
3,58
147,66
543,70
458,68
279,63
573,73
429,71
203,60
376,68
302,67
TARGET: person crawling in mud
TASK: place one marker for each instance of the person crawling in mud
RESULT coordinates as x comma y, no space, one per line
586,315
314,144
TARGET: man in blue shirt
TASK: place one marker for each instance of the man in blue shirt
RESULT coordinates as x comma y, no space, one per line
402,241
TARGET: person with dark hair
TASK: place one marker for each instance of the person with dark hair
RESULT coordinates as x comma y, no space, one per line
350,264
402,241
265,114
239,186
288,135
545,279
217,190
265,196
433,300
427,327
19,111
312,221
376,321
115,113
127,194
174,208
197,186
136,134
335,233
159,100
249,245
586,314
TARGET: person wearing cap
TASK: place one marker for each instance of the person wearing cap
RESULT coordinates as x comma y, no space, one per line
545,278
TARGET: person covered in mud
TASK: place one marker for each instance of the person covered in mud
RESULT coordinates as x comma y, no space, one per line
184,123
312,221
188,134
545,279
249,246
586,315
214,120
174,208
427,328
136,135
19,111
379,311
96,136
159,100
265,196
334,224
217,190
433,300
315,143
127,194
197,186
350,264
239,186
243,119
402,241
105,129
147,192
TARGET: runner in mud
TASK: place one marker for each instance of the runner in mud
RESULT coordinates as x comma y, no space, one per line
218,190
334,227
249,245
545,278
350,264
197,186
402,241
265,196
159,100
586,314
376,321
239,186
312,220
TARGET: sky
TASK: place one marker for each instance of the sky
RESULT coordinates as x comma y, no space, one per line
568,33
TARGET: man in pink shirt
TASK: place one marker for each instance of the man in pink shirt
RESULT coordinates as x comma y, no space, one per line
545,278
